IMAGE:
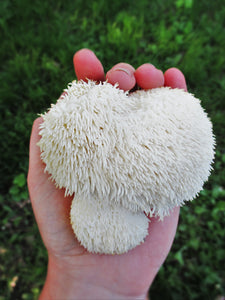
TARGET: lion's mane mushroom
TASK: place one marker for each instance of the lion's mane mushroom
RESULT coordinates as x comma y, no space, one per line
121,155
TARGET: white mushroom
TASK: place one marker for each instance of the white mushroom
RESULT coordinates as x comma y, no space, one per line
105,228
122,155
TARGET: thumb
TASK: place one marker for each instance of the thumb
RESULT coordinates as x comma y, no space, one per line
36,166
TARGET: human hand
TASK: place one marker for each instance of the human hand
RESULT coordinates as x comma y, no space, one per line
74,273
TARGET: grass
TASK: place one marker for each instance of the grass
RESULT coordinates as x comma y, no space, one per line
37,45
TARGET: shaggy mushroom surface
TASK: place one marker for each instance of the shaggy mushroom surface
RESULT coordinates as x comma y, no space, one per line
123,156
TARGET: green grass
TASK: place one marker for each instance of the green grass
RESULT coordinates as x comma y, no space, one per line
38,40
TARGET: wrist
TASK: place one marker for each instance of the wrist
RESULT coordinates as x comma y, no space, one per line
62,283
58,284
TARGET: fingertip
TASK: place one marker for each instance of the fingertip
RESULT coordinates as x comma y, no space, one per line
174,78
64,93
88,66
149,77
37,123
35,133
123,75
34,151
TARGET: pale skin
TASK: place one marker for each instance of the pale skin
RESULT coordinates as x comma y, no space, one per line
73,273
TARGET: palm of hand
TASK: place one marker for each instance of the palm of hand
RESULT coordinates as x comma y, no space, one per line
134,270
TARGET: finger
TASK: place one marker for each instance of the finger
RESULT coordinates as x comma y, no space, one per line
37,177
36,166
148,77
88,66
123,75
174,78
63,95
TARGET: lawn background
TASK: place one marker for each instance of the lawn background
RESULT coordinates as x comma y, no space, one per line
38,40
